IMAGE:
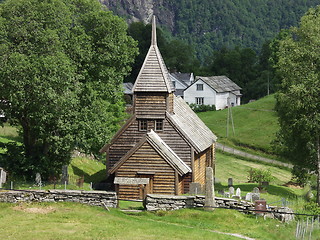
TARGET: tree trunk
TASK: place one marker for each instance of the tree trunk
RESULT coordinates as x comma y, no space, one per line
318,171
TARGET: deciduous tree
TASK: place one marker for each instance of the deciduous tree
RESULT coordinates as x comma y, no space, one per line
61,68
298,101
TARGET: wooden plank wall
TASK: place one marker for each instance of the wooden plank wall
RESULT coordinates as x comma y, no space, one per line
173,139
170,103
127,140
146,159
200,165
150,105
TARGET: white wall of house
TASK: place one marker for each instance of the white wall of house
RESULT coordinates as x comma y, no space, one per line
207,93
210,96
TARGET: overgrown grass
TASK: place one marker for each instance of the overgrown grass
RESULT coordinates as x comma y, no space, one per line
75,221
255,125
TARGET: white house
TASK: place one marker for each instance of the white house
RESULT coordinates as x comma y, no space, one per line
181,81
216,90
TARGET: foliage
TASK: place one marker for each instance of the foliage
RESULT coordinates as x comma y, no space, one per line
61,70
210,25
202,108
312,208
251,72
259,175
298,101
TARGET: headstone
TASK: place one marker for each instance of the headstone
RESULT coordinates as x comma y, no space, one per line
238,192
255,190
231,191
64,175
209,202
3,177
309,195
249,197
38,179
195,188
255,196
230,182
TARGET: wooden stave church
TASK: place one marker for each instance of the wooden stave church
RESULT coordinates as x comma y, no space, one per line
164,146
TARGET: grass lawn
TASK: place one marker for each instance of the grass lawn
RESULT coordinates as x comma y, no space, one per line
255,124
75,221
228,166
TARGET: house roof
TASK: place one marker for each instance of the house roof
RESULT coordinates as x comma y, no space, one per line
160,147
183,78
153,76
220,83
191,126
128,88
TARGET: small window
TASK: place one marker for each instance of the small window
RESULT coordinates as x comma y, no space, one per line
143,125
159,125
199,87
174,84
199,100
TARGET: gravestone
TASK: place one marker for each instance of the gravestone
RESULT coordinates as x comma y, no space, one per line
238,192
255,190
230,182
3,177
38,179
249,197
209,202
195,188
65,175
231,191
255,196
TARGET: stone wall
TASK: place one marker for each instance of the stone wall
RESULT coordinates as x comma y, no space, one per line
154,202
93,198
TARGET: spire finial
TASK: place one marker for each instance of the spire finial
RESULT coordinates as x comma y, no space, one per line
154,31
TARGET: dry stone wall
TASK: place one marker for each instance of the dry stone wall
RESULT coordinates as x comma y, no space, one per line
154,202
93,198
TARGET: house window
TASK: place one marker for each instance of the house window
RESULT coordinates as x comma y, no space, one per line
143,125
174,84
199,87
159,125
199,100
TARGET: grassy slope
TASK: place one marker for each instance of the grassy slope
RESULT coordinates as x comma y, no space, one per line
255,124
75,221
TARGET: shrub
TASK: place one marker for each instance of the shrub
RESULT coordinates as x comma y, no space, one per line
260,175
202,108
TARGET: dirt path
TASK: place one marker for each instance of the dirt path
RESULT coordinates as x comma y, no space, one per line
236,152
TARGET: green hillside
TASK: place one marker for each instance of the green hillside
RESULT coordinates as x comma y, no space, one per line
255,124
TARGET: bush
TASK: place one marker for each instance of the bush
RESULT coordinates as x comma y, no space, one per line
260,175
202,108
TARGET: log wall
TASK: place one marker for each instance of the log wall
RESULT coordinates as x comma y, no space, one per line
145,160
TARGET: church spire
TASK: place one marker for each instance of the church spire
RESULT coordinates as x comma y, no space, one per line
154,32
153,76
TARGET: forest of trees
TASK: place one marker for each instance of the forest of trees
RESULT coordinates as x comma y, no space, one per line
209,25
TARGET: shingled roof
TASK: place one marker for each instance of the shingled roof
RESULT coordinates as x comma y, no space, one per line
191,126
153,76
220,83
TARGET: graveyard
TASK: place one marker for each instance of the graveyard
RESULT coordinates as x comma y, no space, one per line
76,220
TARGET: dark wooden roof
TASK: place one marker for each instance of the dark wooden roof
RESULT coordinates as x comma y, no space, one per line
191,126
153,76
160,147
220,83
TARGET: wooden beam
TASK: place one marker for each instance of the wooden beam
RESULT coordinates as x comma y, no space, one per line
192,165
176,182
